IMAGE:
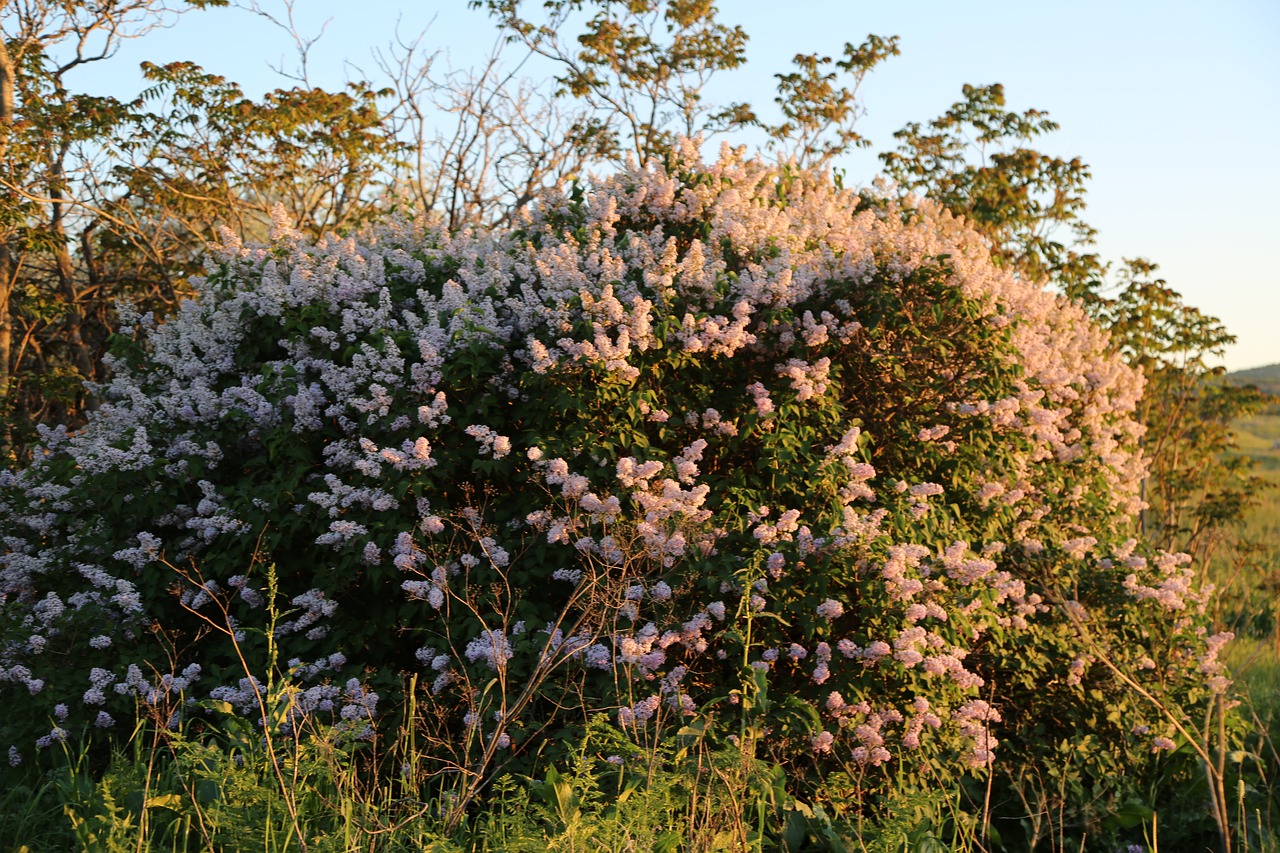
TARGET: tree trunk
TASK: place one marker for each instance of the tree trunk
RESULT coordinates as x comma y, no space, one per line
6,321
74,320
7,80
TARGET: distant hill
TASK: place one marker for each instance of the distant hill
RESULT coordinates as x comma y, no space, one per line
1270,371
1258,437
1266,378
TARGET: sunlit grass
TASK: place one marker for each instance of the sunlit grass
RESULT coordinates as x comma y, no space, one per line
1245,568
1248,573
1256,666
1258,437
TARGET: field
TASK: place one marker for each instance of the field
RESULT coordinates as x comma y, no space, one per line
1249,571
1259,439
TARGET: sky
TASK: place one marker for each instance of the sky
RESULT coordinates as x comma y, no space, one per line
1174,105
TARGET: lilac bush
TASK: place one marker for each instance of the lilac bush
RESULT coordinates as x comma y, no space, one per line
701,441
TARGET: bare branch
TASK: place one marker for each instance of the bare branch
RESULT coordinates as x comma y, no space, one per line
288,22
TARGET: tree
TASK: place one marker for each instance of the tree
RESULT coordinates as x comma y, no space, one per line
640,67
819,114
1195,487
47,136
975,159
483,143
111,199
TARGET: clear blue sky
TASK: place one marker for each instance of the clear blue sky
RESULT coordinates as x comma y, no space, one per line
1174,105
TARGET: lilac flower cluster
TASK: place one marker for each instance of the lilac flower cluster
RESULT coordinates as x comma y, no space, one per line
639,420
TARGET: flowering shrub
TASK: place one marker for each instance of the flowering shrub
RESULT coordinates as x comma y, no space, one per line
712,442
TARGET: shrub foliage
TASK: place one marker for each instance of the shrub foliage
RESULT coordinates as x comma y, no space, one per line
720,447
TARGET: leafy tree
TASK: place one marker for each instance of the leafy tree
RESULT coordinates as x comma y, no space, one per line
976,159
640,67
1195,487
196,156
819,113
111,199
47,136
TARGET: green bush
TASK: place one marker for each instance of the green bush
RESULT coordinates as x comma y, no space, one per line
710,443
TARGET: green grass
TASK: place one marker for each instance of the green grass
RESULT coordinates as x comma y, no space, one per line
1247,570
1258,438
1246,564
1255,663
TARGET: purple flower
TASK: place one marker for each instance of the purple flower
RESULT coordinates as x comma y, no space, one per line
822,742
830,609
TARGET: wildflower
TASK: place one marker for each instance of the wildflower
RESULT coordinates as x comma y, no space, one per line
760,396
491,647
56,735
830,609
876,650
822,742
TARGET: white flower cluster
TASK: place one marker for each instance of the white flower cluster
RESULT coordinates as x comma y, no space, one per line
347,403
